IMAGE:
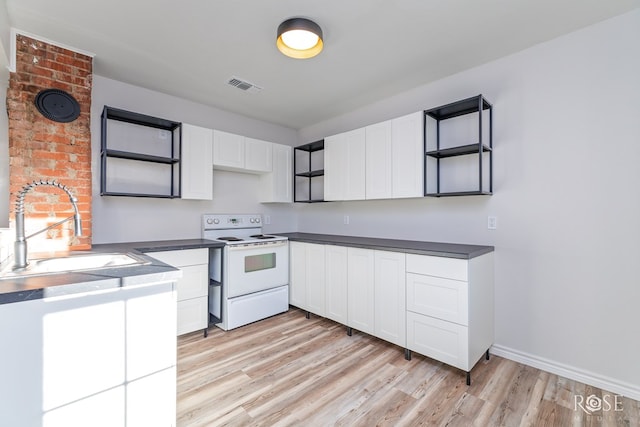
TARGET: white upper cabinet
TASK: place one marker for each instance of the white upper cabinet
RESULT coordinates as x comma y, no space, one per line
238,153
407,156
277,185
228,150
195,169
257,155
344,166
378,161
334,165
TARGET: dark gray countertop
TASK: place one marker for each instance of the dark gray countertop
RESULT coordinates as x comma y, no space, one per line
17,289
449,250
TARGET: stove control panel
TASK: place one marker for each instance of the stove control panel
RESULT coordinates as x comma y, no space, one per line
229,221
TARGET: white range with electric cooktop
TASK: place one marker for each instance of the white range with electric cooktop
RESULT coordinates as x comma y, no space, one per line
250,276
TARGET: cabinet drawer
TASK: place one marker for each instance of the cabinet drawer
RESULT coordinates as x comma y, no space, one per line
438,339
183,257
192,315
450,268
444,299
194,282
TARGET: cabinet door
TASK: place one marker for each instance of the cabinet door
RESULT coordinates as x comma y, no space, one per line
444,299
228,150
278,185
355,166
192,287
315,279
298,274
378,161
257,155
407,156
444,341
306,279
336,283
334,167
360,300
390,297
195,167
193,314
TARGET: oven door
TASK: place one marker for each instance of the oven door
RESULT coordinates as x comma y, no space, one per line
256,267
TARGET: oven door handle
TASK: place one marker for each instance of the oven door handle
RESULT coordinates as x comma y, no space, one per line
248,246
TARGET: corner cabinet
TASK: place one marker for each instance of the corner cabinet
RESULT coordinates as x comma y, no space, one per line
459,149
308,167
140,155
277,185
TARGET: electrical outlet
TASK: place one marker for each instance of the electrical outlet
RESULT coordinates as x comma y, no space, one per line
492,222
267,219
346,220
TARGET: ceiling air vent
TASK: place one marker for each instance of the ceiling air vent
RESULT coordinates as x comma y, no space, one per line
244,85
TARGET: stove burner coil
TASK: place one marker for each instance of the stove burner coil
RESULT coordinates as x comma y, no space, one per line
262,236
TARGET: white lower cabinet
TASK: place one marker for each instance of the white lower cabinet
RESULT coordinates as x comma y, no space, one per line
360,287
306,277
439,307
336,279
193,287
450,308
390,297
438,339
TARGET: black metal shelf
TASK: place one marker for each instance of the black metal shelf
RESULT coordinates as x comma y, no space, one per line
157,196
173,146
461,150
111,113
475,104
460,193
458,108
141,157
312,146
311,174
308,174
310,201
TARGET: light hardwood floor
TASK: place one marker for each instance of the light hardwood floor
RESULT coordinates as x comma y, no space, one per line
291,371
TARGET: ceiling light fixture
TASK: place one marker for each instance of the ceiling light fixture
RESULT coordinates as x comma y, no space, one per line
299,38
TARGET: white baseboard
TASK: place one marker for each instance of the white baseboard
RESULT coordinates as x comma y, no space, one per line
609,384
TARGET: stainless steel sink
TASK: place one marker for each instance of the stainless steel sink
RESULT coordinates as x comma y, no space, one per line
72,263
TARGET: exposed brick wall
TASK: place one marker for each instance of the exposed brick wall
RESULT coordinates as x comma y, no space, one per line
40,148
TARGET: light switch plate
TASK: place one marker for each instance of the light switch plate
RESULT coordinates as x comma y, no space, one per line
492,222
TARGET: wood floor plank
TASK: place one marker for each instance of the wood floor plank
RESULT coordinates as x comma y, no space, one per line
291,371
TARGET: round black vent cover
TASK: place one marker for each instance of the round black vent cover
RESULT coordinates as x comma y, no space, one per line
57,105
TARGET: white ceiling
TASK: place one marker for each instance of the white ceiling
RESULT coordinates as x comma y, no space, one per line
373,48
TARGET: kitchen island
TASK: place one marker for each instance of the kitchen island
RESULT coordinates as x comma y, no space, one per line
95,347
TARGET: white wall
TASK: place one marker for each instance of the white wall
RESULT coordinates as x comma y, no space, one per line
117,219
567,198
4,122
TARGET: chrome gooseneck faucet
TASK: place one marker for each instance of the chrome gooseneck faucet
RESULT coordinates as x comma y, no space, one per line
20,246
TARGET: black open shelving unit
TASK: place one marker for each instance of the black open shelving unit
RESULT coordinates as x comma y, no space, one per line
476,104
308,174
173,160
